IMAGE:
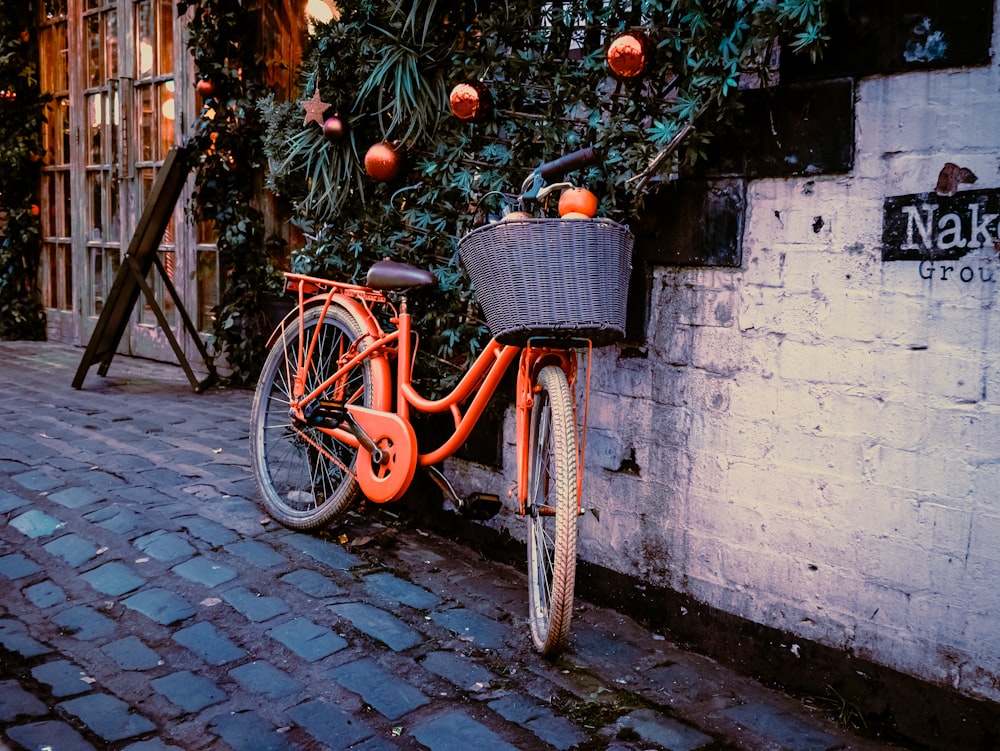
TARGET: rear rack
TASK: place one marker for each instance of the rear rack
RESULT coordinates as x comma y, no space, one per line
312,285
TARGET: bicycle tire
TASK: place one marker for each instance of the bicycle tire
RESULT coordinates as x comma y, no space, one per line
551,511
306,477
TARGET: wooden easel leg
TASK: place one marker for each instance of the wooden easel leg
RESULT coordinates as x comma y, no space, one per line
164,324
188,326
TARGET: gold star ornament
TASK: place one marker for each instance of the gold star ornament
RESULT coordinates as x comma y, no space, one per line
315,108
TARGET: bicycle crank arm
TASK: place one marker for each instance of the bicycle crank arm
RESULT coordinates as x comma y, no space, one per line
366,441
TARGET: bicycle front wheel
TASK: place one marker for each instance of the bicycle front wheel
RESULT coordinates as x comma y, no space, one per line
551,511
307,477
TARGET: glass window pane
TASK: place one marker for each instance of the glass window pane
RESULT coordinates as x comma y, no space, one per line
114,124
144,40
67,224
166,117
146,134
114,223
97,277
62,157
95,47
208,288
48,205
66,262
95,188
165,63
95,127
111,42
167,258
61,77
168,233
206,232
44,264
55,8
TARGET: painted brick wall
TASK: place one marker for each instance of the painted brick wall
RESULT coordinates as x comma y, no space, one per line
812,440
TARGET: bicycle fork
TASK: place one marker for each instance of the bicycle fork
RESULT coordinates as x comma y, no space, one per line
532,360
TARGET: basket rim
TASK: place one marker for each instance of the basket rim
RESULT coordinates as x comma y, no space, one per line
591,222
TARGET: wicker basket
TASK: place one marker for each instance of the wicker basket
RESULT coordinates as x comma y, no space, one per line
553,278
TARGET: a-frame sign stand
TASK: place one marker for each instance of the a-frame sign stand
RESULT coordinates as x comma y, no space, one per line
130,280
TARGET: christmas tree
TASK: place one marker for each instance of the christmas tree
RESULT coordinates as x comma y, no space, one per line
461,100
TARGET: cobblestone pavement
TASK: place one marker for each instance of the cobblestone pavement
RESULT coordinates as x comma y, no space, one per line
147,604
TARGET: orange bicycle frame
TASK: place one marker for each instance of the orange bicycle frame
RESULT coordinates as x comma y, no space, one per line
479,382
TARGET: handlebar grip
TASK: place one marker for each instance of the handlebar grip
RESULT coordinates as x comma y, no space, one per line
554,170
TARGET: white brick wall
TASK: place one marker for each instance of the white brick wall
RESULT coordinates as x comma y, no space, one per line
818,432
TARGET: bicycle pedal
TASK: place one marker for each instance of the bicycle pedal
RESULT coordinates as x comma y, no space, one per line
324,414
481,506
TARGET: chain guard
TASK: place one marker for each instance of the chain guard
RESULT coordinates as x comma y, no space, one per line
389,480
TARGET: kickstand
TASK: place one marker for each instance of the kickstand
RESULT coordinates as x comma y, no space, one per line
481,506
446,487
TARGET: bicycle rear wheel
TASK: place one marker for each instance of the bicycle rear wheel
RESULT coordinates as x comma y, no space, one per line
551,511
306,477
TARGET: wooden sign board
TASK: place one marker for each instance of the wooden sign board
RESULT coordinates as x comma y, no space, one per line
131,280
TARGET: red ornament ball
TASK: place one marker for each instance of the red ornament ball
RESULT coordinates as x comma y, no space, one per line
334,129
470,100
628,55
205,88
383,162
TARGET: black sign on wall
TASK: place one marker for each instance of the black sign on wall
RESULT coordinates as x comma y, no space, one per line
931,227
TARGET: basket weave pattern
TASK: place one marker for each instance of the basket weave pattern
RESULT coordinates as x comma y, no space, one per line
554,278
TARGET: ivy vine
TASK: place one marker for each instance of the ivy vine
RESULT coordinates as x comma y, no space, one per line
386,69
228,133
22,108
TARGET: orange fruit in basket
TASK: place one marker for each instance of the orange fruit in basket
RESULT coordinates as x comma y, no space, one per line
575,215
517,215
577,201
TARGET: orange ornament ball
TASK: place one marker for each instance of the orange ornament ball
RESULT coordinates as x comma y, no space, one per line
205,88
628,55
470,100
577,201
383,162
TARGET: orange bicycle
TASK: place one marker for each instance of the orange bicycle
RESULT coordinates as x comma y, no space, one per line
331,413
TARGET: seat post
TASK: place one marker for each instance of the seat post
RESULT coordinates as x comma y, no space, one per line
403,368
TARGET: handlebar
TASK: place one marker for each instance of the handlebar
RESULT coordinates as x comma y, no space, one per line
544,178
554,170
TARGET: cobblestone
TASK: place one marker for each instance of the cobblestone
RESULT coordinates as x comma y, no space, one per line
188,691
64,678
73,549
307,640
329,724
379,625
109,717
114,578
383,690
146,604
48,734
15,702
256,608
161,605
265,679
131,654
206,641
204,571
